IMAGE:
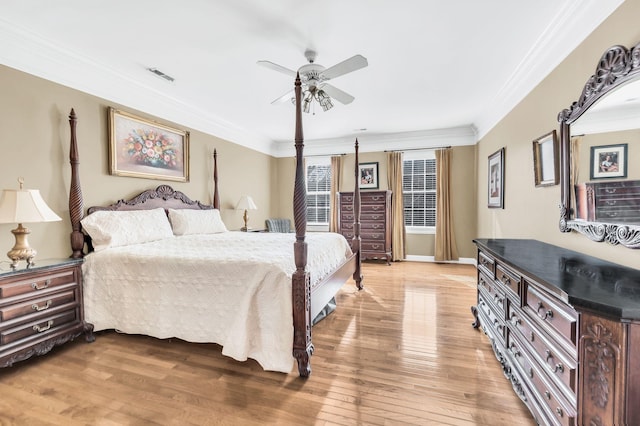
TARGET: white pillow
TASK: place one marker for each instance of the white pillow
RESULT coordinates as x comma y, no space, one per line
189,221
122,228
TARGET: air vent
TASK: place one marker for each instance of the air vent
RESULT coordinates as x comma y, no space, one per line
161,74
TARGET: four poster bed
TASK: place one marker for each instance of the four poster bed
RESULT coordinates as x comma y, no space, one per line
255,294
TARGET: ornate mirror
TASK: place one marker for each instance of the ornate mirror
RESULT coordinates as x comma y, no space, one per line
600,153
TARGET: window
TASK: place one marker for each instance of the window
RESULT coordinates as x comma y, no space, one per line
318,190
419,191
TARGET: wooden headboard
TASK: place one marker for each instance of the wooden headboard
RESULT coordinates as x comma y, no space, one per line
162,197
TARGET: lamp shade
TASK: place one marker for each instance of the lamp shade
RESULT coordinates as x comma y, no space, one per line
25,206
246,203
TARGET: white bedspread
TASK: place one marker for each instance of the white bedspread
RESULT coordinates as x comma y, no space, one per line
232,288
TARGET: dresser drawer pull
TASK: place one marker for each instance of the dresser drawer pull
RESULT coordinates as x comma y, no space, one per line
549,355
37,308
559,367
35,285
497,299
547,394
515,352
39,329
548,314
505,280
515,320
559,411
484,261
375,246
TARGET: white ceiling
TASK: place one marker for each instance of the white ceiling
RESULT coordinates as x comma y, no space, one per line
440,72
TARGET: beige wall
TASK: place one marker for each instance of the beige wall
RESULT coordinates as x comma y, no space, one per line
34,135
463,195
533,212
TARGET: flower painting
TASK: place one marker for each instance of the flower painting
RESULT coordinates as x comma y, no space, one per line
141,148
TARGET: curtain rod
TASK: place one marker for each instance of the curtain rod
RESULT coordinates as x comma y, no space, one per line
417,149
324,155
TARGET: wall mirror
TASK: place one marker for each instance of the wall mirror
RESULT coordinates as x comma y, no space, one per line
600,153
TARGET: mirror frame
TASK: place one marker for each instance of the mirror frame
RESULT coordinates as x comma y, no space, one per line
617,66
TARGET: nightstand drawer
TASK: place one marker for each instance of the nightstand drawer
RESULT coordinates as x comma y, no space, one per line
41,304
42,326
35,283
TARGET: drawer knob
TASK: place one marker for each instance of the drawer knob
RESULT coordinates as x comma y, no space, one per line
559,412
505,280
37,308
549,355
45,285
548,314
39,329
547,394
515,320
559,367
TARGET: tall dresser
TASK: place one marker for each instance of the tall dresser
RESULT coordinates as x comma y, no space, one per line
375,219
565,328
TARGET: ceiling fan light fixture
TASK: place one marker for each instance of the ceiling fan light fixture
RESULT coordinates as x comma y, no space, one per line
324,100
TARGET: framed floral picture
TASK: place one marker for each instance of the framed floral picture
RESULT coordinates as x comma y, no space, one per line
495,179
609,161
368,175
142,148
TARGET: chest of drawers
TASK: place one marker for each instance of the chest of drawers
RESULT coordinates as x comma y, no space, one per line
375,220
40,307
565,328
607,201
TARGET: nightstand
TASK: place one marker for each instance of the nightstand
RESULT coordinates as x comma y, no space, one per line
40,307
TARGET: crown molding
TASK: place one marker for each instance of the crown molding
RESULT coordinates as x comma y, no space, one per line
30,53
575,21
424,139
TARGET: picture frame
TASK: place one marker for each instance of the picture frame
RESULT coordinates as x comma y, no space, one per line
368,173
546,164
608,161
495,180
142,148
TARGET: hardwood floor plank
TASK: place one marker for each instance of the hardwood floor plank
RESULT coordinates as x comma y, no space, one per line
400,352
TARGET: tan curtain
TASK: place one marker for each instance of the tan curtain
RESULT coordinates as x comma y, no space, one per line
336,178
446,248
394,180
575,168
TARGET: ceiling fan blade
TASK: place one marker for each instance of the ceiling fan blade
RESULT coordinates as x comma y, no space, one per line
337,94
284,98
276,67
348,65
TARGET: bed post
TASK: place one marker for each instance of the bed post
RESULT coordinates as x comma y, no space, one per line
301,283
356,243
75,193
216,196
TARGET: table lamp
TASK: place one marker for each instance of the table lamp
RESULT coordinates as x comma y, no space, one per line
23,206
246,203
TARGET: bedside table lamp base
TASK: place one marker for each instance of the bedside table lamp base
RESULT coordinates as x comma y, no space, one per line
21,249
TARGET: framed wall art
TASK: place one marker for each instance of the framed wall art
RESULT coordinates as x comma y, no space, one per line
495,184
545,160
142,148
609,161
368,175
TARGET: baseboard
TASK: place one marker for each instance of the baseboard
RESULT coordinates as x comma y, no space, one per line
462,260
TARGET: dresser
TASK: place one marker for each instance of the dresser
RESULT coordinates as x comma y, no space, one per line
375,220
565,328
40,307
609,200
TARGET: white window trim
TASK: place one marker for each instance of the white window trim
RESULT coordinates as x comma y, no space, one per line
314,161
429,154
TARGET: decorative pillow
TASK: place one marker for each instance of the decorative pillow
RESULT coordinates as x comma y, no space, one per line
188,221
122,228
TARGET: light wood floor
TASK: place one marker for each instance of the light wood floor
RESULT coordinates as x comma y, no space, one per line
402,351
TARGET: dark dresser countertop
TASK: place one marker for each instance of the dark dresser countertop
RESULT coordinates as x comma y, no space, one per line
40,265
582,281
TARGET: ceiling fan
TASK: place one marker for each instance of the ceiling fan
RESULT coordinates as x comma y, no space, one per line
314,77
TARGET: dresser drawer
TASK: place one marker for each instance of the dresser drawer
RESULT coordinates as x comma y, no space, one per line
40,327
562,319
372,236
35,283
492,291
487,263
559,365
557,409
373,247
493,324
379,226
373,208
509,279
373,198
373,217
41,304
